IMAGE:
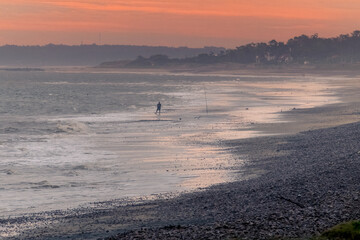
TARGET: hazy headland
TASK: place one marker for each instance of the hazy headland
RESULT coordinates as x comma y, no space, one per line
87,55
307,54
300,53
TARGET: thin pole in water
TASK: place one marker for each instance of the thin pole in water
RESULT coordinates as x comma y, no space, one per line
206,104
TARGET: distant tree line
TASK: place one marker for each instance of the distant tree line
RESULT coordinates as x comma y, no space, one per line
298,50
87,55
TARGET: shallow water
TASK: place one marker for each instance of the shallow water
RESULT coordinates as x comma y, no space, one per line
68,139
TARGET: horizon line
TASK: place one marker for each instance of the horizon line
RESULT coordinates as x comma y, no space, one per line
164,46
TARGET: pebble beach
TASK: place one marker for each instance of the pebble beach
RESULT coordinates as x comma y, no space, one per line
311,182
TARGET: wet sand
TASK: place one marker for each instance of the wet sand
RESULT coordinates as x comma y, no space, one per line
297,185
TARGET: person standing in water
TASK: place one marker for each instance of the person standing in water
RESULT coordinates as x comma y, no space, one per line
158,108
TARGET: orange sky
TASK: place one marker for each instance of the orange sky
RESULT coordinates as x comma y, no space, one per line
193,23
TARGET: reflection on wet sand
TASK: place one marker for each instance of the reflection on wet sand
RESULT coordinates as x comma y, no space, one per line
234,108
133,152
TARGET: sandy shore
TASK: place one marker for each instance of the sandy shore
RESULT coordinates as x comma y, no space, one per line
310,183
235,69
305,182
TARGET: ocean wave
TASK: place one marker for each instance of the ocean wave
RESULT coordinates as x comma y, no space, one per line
71,127
81,167
43,184
10,130
8,171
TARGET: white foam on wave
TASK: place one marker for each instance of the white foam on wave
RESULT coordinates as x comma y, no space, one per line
98,118
71,127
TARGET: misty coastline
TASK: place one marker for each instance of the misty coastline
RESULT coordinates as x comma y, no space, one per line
12,56
17,69
307,51
300,52
240,69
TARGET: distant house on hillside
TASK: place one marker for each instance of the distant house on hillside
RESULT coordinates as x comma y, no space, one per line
285,58
269,57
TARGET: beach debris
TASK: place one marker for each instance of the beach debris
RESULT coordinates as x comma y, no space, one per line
291,201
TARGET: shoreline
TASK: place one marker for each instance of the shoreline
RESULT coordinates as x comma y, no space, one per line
230,69
241,69
308,182
297,199
238,207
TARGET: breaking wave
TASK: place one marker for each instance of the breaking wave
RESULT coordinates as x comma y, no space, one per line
71,127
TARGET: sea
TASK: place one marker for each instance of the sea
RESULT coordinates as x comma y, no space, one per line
70,138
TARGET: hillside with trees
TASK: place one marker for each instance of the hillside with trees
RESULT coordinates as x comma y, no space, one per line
87,55
344,49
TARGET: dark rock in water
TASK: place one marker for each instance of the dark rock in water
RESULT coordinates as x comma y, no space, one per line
9,171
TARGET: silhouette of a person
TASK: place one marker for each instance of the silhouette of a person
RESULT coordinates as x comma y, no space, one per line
158,108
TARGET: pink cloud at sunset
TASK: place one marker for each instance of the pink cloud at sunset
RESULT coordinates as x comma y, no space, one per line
175,23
